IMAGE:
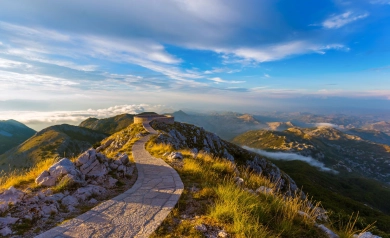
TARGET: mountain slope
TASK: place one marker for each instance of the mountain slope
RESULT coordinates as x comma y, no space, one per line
227,125
108,125
13,133
342,152
345,192
54,141
371,135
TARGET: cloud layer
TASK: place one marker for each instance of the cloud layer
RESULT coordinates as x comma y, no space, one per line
291,157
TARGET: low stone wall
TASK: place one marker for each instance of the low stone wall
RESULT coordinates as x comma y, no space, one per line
141,119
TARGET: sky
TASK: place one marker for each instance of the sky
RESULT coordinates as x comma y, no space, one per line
62,61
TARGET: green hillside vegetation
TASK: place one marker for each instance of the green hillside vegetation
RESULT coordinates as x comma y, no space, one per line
343,193
108,125
13,133
336,149
55,141
212,198
122,142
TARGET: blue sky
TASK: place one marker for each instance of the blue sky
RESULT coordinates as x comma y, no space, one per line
72,56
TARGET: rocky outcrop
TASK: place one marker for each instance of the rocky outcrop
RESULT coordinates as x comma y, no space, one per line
91,177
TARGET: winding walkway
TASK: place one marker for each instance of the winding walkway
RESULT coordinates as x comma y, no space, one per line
139,211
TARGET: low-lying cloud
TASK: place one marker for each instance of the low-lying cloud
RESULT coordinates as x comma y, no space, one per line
325,124
39,120
291,157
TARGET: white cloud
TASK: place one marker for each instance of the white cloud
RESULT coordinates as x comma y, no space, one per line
219,80
11,64
11,80
337,21
39,120
279,51
291,157
267,76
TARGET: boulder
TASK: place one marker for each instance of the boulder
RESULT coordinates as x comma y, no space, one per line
92,201
121,168
5,231
202,228
10,196
56,197
365,235
69,201
111,182
49,209
239,181
113,166
327,231
46,181
82,194
263,189
175,155
5,221
61,168
124,159
222,234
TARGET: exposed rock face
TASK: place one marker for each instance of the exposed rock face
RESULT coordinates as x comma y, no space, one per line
63,168
11,196
86,179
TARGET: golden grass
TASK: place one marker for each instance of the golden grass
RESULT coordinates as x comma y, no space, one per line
19,178
239,212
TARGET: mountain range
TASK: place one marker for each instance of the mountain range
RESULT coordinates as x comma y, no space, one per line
13,133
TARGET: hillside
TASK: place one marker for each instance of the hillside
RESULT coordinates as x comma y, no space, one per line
221,123
108,125
350,190
371,135
342,152
54,141
13,133
383,126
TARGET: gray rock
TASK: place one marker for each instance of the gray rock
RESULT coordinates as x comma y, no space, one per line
10,196
263,189
46,181
113,166
121,168
175,155
92,201
111,182
124,159
365,235
61,168
82,194
327,231
49,209
5,231
56,197
239,181
4,221
69,201
202,228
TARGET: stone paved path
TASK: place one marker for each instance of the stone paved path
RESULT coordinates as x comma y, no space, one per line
135,213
